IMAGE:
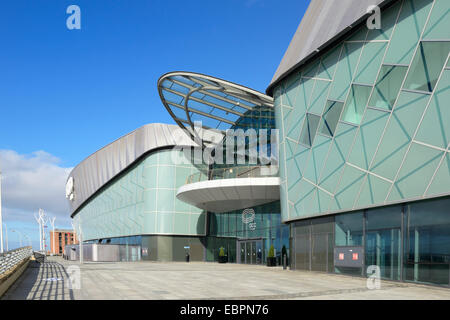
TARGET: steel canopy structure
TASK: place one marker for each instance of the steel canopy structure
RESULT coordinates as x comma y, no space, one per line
218,104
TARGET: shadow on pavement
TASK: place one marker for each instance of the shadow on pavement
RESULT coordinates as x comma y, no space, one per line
41,281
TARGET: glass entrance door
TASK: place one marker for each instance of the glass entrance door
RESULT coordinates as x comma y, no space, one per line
251,251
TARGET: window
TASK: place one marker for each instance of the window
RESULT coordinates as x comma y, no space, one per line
349,229
356,104
309,129
427,242
427,65
387,87
383,240
330,117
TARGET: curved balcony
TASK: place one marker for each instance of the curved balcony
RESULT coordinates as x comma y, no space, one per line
234,188
234,172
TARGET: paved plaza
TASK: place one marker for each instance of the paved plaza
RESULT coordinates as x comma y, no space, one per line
198,280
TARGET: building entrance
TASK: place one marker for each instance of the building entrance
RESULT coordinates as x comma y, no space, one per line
250,251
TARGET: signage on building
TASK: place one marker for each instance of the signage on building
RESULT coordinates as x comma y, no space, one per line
248,217
349,256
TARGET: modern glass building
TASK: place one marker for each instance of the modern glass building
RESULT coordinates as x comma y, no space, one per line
365,133
154,187
362,179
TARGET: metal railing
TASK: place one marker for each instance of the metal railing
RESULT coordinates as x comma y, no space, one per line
244,171
12,258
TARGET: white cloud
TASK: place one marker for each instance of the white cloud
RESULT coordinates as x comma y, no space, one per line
33,181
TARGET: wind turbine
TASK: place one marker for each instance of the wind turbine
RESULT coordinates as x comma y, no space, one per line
41,220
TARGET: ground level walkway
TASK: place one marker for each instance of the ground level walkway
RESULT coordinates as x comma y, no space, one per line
196,280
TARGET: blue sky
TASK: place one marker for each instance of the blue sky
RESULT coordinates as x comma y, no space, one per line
66,93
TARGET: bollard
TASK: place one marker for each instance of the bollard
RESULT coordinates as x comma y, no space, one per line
187,257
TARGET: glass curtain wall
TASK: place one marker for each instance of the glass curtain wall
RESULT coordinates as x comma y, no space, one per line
408,242
427,242
225,229
383,241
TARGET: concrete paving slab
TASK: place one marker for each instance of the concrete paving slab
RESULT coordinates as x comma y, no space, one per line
197,280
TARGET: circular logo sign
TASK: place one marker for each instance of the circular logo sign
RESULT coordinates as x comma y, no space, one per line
248,217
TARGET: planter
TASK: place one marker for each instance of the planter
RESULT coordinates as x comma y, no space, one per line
271,262
223,259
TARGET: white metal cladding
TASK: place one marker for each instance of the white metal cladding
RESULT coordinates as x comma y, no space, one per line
324,21
226,195
102,166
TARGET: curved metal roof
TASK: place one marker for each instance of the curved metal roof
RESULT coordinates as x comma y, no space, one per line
322,24
218,104
102,166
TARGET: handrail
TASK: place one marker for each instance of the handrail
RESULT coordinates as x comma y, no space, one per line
245,171
12,258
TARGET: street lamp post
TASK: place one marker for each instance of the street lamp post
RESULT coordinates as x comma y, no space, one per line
6,237
38,220
29,240
20,236
77,228
41,219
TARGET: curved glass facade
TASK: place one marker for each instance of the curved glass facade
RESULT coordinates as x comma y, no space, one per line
366,123
263,230
142,200
364,149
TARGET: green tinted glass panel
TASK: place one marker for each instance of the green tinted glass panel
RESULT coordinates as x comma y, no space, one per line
296,162
164,222
388,19
345,70
344,137
374,191
328,63
319,96
427,65
441,180
370,62
304,95
407,33
166,176
304,198
435,126
311,69
356,104
165,200
368,137
438,27
293,121
359,34
330,117
387,87
309,129
348,188
182,224
399,132
291,89
318,153
416,173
